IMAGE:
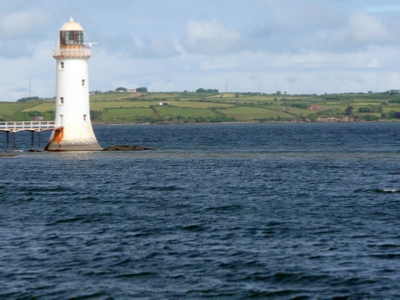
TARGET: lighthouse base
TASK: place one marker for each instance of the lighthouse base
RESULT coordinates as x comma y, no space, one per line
73,139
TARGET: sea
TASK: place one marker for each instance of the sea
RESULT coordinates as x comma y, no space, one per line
217,211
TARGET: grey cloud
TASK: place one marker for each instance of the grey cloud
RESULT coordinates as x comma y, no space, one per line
22,31
146,47
16,49
209,37
304,26
320,27
151,47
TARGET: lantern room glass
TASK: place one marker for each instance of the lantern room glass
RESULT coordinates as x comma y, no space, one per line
71,38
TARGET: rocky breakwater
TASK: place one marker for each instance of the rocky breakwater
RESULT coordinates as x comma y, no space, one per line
126,148
7,155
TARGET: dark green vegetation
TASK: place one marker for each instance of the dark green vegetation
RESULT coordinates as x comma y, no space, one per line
27,99
210,106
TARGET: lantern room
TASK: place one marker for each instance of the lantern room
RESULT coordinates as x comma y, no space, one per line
71,35
72,42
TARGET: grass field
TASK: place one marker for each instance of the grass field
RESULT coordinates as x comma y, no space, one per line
127,114
293,110
9,108
251,113
175,112
112,96
120,104
42,107
198,104
214,107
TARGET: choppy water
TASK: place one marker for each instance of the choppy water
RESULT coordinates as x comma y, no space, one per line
217,211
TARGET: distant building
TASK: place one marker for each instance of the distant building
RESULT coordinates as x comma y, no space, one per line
132,90
163,103
316,107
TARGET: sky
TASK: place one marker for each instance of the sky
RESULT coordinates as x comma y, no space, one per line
293,46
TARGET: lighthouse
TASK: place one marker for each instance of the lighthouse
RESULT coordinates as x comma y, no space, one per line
73,128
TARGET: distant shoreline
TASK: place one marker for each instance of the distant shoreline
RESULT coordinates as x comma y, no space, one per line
265,123
224,108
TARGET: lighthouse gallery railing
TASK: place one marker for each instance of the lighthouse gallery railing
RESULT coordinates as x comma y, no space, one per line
72,52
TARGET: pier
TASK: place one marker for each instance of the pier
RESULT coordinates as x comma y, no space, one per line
32,126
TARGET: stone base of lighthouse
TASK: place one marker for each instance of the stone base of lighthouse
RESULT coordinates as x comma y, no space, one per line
73,138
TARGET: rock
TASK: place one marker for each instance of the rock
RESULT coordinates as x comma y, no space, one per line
333,119
7,155
126,148
347,119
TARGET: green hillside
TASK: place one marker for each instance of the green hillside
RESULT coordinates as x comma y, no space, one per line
195,107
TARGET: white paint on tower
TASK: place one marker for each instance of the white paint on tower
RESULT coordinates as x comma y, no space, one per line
74,130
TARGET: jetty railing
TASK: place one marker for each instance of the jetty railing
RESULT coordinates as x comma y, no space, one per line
37,126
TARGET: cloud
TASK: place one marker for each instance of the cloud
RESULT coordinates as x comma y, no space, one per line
148,47
320,27
365,29
294,29
382,8
23,23
267,2
154,47
108,3
15,49
22,32
258,45
209,37
218,64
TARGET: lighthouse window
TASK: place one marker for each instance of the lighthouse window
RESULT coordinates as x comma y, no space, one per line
83,82
78,37
70,37
61,100
84,117
62,65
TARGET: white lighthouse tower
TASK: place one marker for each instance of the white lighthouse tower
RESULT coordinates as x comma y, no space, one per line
74,130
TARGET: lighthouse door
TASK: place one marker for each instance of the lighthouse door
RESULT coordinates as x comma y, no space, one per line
61,120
